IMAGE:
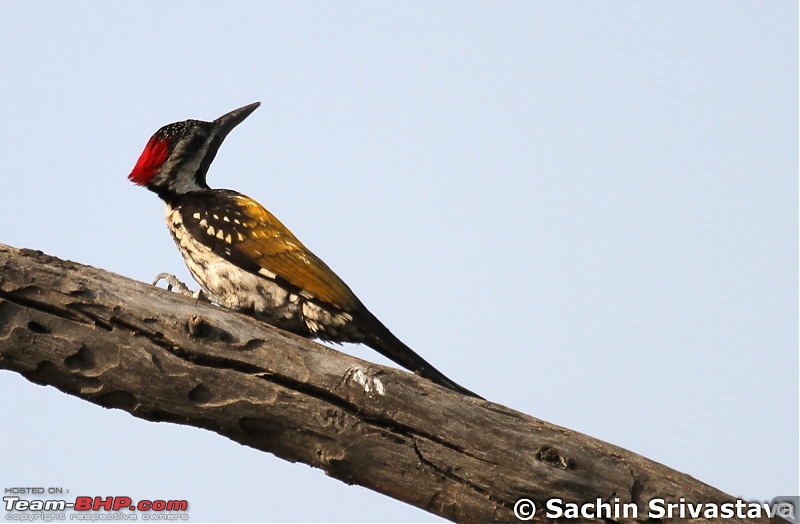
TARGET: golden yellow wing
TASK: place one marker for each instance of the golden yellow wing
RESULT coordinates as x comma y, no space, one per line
242,231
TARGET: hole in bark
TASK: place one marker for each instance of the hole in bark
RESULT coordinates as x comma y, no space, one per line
552,457
252,344
200,328
81,291
82,360
200,394
157,362
117,399
102,324
47,373
35,327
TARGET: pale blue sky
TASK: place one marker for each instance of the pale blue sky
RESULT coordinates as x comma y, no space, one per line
587,212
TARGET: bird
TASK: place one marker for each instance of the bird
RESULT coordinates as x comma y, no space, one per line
245,259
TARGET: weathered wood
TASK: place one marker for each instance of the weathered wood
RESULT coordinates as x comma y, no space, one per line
163,357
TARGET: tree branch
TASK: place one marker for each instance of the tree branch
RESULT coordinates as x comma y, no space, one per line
163,357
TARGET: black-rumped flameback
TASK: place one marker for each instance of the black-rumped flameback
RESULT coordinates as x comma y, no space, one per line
246,259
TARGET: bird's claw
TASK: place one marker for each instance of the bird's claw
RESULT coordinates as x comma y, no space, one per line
173,284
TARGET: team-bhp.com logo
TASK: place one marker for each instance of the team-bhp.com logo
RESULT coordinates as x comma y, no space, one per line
49,509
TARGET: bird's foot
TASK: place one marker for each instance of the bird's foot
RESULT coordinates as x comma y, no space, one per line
173,284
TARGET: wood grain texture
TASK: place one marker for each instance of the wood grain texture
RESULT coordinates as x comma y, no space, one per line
159,356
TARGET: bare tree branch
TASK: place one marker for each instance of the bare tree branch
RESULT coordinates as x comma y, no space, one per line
159,356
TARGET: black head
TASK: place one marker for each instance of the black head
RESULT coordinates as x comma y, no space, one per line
177,157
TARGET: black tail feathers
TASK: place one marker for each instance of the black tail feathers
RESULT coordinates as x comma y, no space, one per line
384,342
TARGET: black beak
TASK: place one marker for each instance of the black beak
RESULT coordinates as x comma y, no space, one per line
228,121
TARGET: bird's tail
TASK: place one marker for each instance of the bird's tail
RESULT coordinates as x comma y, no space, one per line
384,342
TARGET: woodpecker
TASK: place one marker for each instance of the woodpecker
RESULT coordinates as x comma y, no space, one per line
246,259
